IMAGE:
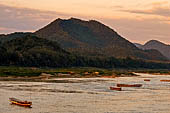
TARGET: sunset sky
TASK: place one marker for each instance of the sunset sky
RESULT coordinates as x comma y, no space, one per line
135,20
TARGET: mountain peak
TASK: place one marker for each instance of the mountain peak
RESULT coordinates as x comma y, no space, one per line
70,19
74,19
154,42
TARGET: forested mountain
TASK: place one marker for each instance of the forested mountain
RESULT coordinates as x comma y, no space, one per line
76,43
92,38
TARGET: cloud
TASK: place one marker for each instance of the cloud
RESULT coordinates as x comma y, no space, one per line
158,9
25,19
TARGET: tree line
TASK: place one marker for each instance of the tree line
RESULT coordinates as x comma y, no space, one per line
31,51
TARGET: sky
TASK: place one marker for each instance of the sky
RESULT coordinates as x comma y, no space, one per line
136,20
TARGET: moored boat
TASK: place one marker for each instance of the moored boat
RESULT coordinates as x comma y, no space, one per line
165,80
129,85
116,88
20,103
147,80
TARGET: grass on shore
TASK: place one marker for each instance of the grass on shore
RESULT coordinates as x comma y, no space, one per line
32,71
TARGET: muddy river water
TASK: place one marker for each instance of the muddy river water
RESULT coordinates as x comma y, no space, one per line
89,95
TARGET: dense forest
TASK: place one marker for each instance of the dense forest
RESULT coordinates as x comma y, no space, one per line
32,51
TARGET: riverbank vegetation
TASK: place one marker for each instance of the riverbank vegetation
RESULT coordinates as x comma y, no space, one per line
73,72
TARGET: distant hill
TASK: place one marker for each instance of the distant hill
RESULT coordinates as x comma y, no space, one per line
92,38
8,37
161,47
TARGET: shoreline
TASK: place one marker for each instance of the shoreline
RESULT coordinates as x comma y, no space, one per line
53,79
31,74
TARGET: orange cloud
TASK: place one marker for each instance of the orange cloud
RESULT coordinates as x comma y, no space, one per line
158,9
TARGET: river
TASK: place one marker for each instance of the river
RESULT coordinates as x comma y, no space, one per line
89,95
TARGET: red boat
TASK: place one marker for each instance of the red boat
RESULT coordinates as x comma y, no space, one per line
116,88
20,103
165,80
129,85
147,80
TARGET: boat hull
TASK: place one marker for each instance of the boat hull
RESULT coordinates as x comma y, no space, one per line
116,88
129,85
165,80
147,80
20,103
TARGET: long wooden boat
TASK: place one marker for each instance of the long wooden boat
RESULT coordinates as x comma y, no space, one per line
116,88
20,103
165,80
129,85
147,80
